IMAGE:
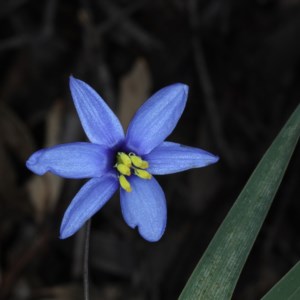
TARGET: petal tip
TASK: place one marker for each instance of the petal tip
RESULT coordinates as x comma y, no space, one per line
71,78
64,235
186,88
65,231
152,239
181,86
148,236
76,84
72,81
211,159
215,159
33,163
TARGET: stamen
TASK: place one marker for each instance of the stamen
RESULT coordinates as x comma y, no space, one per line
145,165
138,162
142,174
124,183
126,163
123,169
124,159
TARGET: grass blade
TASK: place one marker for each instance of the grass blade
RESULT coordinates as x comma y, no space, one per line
288,287
217,272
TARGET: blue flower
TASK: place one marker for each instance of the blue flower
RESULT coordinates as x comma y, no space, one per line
113,159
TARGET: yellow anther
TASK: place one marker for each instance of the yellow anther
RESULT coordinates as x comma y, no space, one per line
138,162
145,165
124,159
142,174
124,183
128,163
123,169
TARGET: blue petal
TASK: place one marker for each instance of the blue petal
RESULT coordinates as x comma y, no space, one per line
74,160
99,122
171,158
145,207
91,197
156,118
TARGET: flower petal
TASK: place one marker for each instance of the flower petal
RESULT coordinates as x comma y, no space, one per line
91,197
156,118
145,207
74,160
99,122
172,158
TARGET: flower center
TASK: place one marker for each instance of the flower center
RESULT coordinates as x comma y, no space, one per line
128,164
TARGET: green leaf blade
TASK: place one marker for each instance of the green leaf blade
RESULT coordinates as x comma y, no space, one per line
217,272
288,287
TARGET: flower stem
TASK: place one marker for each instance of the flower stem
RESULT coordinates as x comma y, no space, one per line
86,260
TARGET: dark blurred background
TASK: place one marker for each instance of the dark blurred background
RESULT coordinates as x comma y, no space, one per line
241,60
